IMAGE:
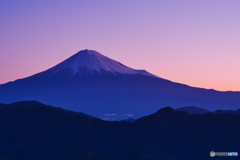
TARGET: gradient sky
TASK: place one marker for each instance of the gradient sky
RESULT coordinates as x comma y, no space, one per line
195,42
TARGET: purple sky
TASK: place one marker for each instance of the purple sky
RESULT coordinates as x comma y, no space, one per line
195,42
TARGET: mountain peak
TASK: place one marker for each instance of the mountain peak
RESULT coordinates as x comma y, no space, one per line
88,52
94,61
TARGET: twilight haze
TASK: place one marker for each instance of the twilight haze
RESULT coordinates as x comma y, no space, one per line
191,42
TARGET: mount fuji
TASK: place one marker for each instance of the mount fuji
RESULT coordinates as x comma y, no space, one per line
94,84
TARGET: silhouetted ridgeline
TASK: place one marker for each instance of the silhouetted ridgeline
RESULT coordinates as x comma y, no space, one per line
46,133
197,110
34,104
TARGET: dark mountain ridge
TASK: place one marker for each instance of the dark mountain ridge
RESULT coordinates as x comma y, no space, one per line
35,104
43,132
193,109
197,110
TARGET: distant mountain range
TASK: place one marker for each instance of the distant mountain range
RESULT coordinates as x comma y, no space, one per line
189,109
47,133
196,110
35,104
96,85
193,109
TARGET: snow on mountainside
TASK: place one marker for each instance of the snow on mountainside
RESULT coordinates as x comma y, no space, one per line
94,61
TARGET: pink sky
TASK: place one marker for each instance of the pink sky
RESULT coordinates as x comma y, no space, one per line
191,42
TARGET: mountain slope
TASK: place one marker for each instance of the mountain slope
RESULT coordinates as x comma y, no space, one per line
35,104
91,83
193,109
93,61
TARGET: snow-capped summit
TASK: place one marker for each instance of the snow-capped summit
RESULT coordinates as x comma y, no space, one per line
95,61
